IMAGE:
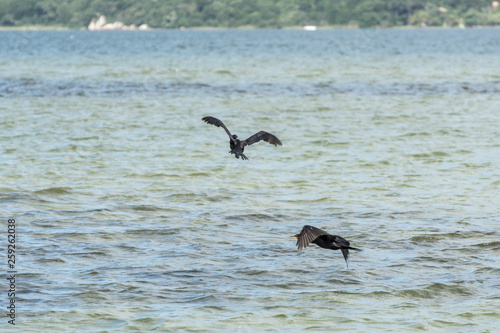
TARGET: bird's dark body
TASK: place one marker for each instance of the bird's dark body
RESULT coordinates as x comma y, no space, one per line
237,146
310,234
326,243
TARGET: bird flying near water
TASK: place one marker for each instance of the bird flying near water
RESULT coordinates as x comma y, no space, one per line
237,146
310,234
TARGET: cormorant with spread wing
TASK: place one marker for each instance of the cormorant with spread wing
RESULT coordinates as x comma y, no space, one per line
323,239
237,146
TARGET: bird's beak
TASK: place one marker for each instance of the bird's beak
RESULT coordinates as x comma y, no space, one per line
293,237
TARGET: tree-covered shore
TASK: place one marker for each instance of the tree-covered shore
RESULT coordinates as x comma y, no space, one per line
78,14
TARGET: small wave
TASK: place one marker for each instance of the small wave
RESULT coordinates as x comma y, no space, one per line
426,238
54,191
454,289
199,174
495,245
52,260
147,208
252,272
255,217
411,134
214,308
90,254
153,232
224,72
182,195
344,281
84,138
436,290
440,154
192,299
491,271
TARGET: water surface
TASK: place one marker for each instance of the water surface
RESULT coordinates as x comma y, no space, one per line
132,216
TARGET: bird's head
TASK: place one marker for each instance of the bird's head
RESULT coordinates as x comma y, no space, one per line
235,136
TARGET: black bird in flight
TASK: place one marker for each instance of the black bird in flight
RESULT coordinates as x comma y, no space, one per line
323,239
237,146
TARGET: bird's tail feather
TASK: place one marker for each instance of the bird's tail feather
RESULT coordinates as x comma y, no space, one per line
345,252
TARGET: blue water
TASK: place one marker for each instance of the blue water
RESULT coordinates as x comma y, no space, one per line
132,216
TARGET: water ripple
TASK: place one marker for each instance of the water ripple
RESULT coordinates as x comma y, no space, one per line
28,87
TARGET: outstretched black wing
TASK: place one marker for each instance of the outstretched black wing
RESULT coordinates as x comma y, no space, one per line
262,135
217,122
308,235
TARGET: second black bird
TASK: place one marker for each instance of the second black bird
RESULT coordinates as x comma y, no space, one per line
323,239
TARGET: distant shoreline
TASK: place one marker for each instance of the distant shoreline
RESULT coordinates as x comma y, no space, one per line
59,28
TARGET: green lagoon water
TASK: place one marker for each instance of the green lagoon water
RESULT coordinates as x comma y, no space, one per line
132,216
